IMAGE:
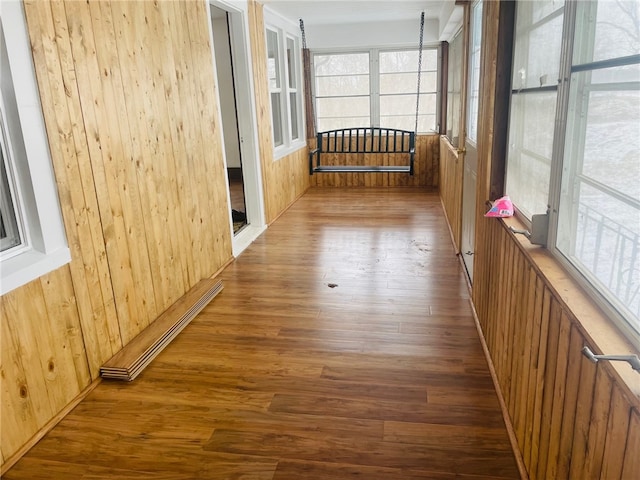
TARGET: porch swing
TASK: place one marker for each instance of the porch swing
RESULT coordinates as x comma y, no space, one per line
343,142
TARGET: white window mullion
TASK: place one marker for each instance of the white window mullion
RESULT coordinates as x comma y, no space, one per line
283,57
13,236
292,82
558,169
374,82
284,97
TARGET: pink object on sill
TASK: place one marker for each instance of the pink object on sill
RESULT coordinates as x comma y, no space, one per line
502,207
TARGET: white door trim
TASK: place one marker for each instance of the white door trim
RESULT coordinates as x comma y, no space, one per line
247,122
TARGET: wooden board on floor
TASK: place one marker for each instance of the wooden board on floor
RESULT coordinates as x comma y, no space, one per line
129,362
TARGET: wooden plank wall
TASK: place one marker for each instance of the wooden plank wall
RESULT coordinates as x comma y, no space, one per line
571,418
285,179
451,176
426,171
130,105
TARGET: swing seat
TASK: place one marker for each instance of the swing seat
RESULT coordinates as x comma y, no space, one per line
348,143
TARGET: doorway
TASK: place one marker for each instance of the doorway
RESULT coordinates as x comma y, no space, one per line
235,97
470,175
231,133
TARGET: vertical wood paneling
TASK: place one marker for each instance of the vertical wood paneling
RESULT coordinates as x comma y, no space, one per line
571,418
558,407
560,468
538,354
582,418
130,105
43,363
118,207
426,164
616,436
631,461
75,187
598,425
450,171
525,359
285,179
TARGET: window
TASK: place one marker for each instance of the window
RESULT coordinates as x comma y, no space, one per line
283,71
32,239
534,83
376,88
275,85
342,91
574,147
474,72
10,235
454,87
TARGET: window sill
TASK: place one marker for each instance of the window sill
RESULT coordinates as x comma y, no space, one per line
30,265
284,150
597,328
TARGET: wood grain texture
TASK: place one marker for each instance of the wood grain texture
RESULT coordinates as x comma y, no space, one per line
571,419
134,357
285,377
284,179
426,173
451,169
130,105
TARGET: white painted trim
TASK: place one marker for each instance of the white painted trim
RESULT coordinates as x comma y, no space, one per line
247,123
245,237
284,150
279,20
284,29
47,248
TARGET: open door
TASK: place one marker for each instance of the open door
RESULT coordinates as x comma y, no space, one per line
470,175
231,132
233,73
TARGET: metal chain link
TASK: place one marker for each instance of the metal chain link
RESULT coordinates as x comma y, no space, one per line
419,67
304,38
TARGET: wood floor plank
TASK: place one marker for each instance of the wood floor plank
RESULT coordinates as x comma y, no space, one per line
386,410
285,377
307,470
490,438
352,450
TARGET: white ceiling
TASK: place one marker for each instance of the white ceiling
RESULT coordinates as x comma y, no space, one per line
323,12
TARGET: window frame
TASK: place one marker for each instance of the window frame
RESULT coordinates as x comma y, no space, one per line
521,94
285,31
44,247
453,125
474,62
374,94
367,96
559,167
9,198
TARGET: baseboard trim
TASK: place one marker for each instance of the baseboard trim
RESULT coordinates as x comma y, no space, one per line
13,459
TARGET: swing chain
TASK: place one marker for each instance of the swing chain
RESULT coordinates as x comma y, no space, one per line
304,37
419,68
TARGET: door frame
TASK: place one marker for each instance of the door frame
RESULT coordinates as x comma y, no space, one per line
470,147
247,121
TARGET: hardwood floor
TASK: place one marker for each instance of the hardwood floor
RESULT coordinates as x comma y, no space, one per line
342,347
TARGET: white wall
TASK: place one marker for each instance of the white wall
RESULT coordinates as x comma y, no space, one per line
404,33
225,87
450,20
